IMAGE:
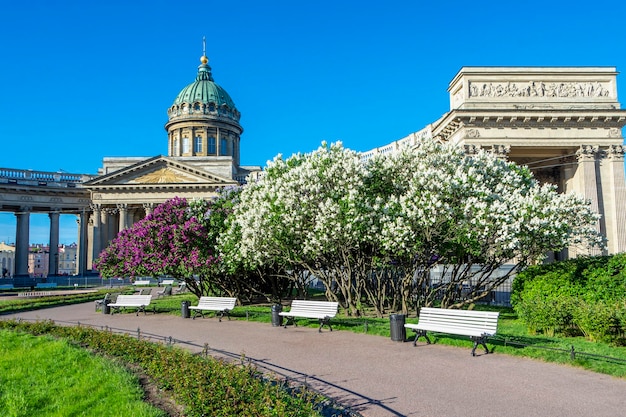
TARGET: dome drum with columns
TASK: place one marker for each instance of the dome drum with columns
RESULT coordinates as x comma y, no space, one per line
203,120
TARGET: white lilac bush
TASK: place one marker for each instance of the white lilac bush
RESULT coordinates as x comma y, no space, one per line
375,230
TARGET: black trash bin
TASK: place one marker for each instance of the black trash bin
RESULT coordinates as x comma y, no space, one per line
398,331
184,309
105,306
277,319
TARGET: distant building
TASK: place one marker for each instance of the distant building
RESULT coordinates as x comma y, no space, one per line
39,260
7,260
67,259
38,256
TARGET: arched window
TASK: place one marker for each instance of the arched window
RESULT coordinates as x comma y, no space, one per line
176,153
185,146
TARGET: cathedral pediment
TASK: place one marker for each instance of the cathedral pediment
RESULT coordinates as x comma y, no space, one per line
159,171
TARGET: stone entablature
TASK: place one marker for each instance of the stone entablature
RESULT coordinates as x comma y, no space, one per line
534,88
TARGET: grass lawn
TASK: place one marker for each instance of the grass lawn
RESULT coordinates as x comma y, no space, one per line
40,376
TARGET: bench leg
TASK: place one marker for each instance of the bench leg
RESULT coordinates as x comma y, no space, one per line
482,340
196,312
325,321
292,320
418,334
221,314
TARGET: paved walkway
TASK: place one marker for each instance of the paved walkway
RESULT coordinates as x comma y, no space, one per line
376,376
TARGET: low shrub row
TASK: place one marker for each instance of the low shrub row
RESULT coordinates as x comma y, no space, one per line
203,385
581,296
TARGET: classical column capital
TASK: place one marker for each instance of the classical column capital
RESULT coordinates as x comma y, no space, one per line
587,153
616,152
501,151
472,149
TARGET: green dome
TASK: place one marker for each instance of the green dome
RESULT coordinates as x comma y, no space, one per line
204,90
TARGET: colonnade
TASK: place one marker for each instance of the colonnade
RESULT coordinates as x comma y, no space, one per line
96,227
22,242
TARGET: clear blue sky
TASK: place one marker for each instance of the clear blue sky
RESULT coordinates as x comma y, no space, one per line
82,80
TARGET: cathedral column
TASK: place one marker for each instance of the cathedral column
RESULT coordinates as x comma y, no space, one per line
218,142
148,207
615,204
123,208
82,242
22,233
97,231
587,160
111,231
53,258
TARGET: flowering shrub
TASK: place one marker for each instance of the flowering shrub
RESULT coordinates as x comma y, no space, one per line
350,223
169,241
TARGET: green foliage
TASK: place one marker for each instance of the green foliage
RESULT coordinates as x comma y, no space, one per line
586,293
597,320
205,386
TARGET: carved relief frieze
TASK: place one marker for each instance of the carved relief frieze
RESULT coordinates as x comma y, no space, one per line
162,176
539,89
614,132
473,133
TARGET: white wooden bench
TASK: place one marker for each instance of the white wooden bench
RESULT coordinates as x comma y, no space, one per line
140,302
221,305
478,325
321,310
140,282
166,282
